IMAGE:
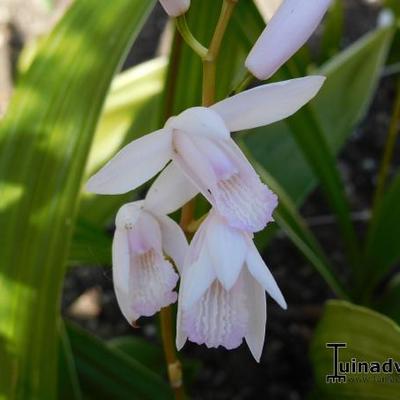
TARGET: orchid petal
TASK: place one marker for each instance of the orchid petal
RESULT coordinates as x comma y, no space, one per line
120,256
266,104
170,191
146,234
174,241
181,337
193,163
199,121
129,213
135,164
197,278
289,28
257,306
174,8
227,248
121,263
262,274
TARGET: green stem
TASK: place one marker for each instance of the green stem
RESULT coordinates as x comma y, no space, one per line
209,80
210,60
166,325
188,37
244,83
173,363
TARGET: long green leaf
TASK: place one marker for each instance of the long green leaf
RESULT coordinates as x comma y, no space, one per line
370,337
333,31
382,249
291,222
68,382
107,373
45,139
131,110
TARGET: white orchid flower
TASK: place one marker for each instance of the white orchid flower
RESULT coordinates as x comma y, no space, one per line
175,8
199,143
222,291
143,278
289,28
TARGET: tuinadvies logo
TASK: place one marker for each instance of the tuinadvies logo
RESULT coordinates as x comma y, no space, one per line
341,369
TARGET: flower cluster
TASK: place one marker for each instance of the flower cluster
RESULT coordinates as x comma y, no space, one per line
223,278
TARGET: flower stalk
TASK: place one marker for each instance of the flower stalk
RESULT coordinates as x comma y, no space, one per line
173,364
191,41
210,60
209,78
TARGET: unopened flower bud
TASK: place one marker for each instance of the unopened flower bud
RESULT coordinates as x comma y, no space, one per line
175,8
288,30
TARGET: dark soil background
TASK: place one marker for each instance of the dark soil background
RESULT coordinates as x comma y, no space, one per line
284,372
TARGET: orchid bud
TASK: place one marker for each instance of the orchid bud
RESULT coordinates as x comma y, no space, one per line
288,30
175,8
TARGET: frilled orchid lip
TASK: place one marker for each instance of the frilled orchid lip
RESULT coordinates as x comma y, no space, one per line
224,281
198,141
219,169
144,279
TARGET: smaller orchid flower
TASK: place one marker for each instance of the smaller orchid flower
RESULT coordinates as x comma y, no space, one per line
199,143
289,28
175,8
144,278
222,292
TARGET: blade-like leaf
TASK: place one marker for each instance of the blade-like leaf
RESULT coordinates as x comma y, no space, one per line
44,142
370,337
68,382
389,303
291,222
107,373
90,245
152,356
382,249
333,30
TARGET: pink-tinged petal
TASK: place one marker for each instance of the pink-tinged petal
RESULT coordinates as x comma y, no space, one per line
174,8
199,121
262,275
121,270
287,31
193,163
219,318
121,258
128,214
196,279
227,248
174,241
181,337
170,191
257,306
135,164
143,279
269,103
193,255
152,280
145,235
242,199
